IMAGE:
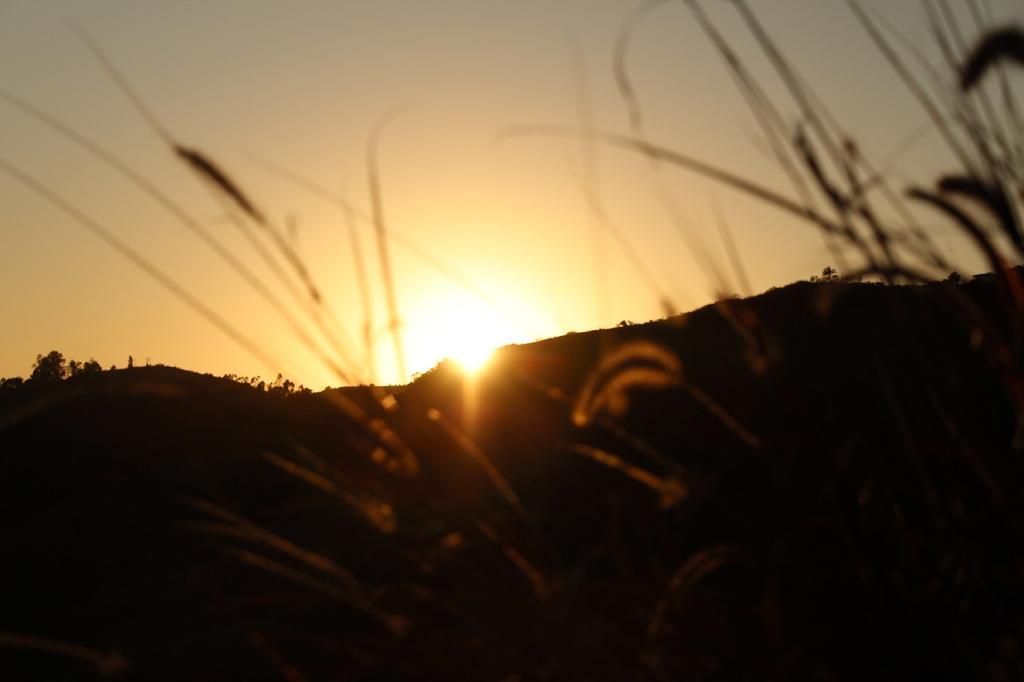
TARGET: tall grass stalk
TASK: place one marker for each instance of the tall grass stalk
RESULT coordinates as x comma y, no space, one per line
183,217
106,664
380,230
413,248
222,185
165,280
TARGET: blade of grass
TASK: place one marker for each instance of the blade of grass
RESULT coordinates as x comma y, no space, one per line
470,447
187,220
107,664
380,229
140,261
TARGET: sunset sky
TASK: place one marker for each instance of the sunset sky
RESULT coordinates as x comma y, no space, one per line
302,84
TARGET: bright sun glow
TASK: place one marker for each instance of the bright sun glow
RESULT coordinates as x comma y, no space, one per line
473,355
457,327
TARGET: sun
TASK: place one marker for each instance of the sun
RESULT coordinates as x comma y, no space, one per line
456,327
472,354
467,333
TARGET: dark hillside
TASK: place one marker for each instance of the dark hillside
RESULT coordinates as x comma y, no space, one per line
818,482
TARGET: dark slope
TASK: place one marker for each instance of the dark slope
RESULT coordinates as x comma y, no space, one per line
851,511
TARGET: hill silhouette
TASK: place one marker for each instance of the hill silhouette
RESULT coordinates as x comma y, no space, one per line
817,482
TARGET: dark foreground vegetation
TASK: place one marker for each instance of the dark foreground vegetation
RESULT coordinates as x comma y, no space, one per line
826,487
819,483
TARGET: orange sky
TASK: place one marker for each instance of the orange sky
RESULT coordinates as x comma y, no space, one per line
302,84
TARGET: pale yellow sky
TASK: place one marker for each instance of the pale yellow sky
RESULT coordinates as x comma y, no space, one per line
302,84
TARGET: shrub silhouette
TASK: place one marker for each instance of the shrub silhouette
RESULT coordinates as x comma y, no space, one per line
90,366
828,274
11,383
76,368
49,368
53,368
